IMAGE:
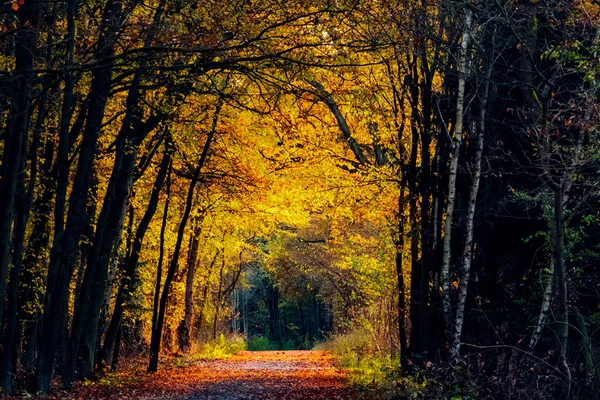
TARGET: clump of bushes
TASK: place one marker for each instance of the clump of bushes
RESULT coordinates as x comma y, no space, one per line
358,352
223,347
261,343
373,372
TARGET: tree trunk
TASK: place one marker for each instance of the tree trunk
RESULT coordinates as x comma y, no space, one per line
66,243
204,298
562,313
218,299
587,353
400,278
160,313
117,349
133,131
161,250
16,130
273,306
115,261
341,121
546,300
127,288
460,103
82,345
183,331
302,324
467,257
24,197
414,233
317,322
245,314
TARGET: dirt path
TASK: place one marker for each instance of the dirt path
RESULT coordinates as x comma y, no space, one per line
273,375
268,375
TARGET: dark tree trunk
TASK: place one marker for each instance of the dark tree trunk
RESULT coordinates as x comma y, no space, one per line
302,324
560,270
316,308
273,305
24,197
16,130
82,345
160,312
400,278
66,243
204,298
127,283
133,131
161,250
183,331
414,234
33,263
117,349
219,299
425,190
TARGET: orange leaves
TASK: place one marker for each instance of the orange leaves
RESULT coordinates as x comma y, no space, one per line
16,5
280,375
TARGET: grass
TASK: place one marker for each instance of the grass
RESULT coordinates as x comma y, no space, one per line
223,347
372,373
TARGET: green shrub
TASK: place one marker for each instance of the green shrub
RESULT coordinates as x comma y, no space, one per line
223,347
351,348
289,345
261,343
372,371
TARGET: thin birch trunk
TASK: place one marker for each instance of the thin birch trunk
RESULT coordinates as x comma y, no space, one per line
460,104
479,128
546,301
562,312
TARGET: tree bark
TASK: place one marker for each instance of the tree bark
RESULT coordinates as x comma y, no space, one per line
460,103
127,287
66,242
160,313
589,369
414,232
183,331
24,197
341,121
161,250
545,307
400,278
467,256
133,131
218,299
16,129
562,314
82,345
205,293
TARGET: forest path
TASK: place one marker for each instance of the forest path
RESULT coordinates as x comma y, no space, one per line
278,375
261,375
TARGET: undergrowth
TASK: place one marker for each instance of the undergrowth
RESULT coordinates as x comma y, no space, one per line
222,347
375,375
372,372
261,343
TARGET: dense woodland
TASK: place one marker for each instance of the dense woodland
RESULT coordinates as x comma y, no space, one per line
424,173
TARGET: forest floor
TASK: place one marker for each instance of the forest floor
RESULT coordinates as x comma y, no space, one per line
281,375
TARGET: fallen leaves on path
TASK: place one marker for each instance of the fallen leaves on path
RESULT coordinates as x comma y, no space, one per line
281,375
